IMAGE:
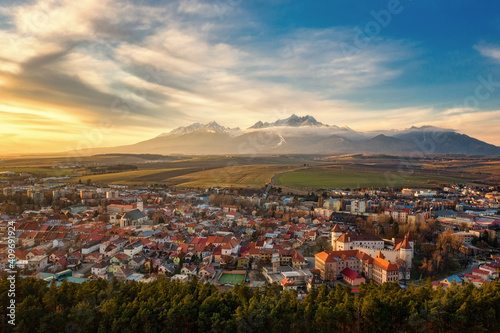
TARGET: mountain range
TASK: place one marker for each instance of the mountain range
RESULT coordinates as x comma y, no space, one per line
305,135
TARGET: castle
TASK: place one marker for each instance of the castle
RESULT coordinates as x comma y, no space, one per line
397,251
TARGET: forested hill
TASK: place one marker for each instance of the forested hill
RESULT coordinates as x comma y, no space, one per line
165,306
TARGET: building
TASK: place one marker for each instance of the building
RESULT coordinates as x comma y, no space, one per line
384,271
402,249
352,240
133,217
465,237
333,204
111,195
206,272
132,249
352,278
37,196
358,206
100,268
330,264
398,215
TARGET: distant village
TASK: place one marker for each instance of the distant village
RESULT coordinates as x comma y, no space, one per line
81,232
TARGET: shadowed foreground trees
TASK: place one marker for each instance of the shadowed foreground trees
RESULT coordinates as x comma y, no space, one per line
165,306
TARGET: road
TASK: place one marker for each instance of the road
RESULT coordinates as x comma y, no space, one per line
271,183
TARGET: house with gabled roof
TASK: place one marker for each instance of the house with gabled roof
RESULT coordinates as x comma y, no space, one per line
480,273
313,282
100,268
117,261
206,272
352,278
166,269
178,257
122,273
57,255
93,257
492,269
189,269
74,259
452,279
136,263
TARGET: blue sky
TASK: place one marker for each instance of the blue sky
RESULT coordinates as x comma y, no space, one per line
97,73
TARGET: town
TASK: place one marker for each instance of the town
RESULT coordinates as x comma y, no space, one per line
228,236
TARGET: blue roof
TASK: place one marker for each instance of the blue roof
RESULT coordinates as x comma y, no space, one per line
454,278
75,279
42,275
135,276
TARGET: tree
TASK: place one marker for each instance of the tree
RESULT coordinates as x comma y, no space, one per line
395,228
194,306
448,242
323,244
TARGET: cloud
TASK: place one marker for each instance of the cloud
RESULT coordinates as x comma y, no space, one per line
158,67
489,51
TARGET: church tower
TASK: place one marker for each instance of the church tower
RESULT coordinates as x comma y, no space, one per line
140,205
335,233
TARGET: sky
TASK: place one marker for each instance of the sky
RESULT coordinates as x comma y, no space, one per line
100,73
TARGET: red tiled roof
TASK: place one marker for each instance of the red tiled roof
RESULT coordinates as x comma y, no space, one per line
480,271
350,274
385,265
287,282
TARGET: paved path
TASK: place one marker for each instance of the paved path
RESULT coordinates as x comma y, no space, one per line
273,179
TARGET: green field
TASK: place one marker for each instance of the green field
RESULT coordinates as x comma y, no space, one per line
232,278
356,177
492,168
299,172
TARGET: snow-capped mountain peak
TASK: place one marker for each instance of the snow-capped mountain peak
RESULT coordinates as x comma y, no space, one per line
183,130
292,121
211,127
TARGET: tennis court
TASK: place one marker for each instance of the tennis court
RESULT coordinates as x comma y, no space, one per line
232,278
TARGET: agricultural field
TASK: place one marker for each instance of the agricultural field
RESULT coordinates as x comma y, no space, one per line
129,177
301,172
492,168
363,176
253,176
40,171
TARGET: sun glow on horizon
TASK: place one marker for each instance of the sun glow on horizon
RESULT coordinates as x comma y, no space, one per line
128,71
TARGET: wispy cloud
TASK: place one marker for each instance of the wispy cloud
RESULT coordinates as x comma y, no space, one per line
165,65
489,51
